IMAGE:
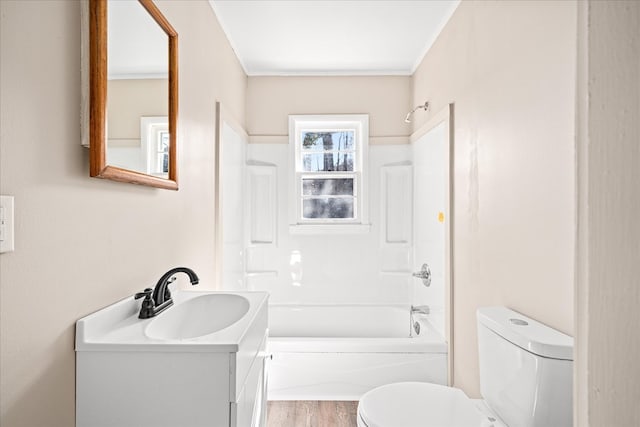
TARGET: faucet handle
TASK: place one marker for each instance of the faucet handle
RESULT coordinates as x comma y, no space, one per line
146,293
148,305
167,292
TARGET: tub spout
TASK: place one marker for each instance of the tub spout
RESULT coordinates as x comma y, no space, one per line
420,309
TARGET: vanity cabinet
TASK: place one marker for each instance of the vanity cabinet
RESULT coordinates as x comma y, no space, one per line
194,390
129,382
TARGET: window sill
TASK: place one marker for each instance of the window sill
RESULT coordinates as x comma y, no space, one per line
329,228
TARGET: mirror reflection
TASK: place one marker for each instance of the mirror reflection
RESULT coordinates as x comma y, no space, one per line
137,133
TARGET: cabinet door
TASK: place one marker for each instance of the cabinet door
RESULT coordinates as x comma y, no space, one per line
260,414
250,409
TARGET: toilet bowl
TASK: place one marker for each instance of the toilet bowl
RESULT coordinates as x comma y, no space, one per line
417,404
525,381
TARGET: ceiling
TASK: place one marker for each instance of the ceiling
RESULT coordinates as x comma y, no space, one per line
137,44
332,37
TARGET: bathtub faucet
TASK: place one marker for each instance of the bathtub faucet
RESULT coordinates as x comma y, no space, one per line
420,309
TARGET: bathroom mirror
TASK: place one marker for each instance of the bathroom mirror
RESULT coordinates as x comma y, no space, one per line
133,93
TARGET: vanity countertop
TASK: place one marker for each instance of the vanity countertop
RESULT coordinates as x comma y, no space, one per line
118,328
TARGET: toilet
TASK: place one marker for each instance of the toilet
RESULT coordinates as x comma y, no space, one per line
526,380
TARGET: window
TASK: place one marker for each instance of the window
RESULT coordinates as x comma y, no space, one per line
155,144
161,154
329,154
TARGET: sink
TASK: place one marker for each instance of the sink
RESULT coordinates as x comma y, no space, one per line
199,316
208,347
209,321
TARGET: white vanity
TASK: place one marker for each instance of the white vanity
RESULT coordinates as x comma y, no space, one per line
199,363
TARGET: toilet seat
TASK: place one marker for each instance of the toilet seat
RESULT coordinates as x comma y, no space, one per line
418,404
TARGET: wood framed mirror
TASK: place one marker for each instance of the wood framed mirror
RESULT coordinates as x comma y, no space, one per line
133,93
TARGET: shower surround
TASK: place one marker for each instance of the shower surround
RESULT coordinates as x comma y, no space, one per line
339,314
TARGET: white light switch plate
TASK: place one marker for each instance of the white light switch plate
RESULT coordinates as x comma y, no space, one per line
6,224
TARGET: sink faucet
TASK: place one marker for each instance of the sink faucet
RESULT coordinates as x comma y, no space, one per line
159,299
161,292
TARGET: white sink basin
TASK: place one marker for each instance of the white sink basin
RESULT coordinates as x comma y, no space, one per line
198,316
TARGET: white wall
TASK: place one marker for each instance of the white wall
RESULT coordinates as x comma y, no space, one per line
83,243
329,269
509,67
232,173
608,289
430,155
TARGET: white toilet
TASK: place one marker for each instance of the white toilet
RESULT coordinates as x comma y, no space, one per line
526,375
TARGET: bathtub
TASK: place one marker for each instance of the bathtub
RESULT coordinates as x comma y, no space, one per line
329,352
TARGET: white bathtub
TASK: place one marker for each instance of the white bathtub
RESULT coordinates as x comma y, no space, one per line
324,352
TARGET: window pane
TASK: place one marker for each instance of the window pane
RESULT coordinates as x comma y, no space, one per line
326,141
336,161
328,208
163,152
327,187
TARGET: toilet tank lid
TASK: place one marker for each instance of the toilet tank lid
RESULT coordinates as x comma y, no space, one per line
527,333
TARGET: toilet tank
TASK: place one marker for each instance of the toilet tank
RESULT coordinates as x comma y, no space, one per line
526,369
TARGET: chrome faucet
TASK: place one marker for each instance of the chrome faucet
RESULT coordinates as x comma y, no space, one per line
420,309
159,299
414,326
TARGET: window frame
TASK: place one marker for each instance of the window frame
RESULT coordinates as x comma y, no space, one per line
151,128
359,124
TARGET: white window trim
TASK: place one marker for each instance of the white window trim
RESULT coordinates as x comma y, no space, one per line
150,128
357,122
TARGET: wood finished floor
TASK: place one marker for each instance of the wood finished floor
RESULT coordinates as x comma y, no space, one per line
305,413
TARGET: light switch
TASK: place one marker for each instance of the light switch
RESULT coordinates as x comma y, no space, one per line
6,224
